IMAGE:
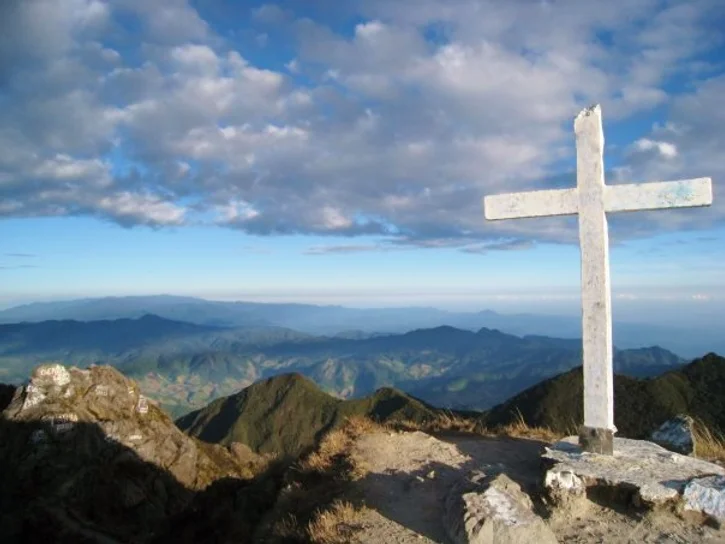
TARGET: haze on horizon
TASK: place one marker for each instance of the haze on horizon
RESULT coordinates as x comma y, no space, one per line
337,153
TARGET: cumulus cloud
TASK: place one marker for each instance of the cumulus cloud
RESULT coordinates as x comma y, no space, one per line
396,129
664,149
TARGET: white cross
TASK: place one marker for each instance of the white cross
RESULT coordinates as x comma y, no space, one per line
590,200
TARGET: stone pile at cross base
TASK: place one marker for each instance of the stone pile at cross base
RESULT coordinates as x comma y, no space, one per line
87,458
641,473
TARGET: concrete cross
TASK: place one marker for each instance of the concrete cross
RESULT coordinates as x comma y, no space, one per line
590,200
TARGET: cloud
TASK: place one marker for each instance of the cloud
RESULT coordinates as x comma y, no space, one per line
17,266
142,113
664,149
21,255
509,245
350,248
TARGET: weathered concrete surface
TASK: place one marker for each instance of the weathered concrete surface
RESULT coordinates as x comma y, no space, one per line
648,474
484,509
676,435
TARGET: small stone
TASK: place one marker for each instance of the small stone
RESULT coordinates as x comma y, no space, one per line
431,475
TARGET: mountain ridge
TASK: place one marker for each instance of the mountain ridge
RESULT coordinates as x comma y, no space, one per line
641,405
289,413
333,319
185,366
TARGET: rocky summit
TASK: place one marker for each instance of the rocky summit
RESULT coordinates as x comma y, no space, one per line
87,458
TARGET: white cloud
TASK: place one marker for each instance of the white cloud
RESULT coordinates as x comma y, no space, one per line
402,142
665,149
146,209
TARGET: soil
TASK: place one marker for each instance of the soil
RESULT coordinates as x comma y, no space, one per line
409,475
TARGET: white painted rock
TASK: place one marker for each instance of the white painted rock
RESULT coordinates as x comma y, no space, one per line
706,495
493,510
651,475
676,435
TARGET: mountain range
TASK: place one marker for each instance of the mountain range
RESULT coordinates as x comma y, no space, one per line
88,459
184,366
685,340
288,413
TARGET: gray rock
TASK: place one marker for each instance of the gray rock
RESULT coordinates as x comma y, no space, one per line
706,495
493,509
648,474
676,435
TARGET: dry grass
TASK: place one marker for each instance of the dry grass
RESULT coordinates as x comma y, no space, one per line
520,429
709,445
334,454
337,524
312,506
448,421
445,421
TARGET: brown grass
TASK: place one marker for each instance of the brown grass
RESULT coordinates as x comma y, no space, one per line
520,429
450,422
444,421
314,505
334,455
337,524
709,444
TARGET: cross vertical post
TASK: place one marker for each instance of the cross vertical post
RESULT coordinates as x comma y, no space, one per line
597,434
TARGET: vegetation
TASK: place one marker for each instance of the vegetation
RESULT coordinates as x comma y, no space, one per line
316,503
184,366
641,405
289,413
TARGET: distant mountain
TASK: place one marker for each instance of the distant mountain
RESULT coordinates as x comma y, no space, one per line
185,366
105,336
334,320
288,413
641,405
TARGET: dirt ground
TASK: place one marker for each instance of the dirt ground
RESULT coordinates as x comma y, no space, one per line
410,474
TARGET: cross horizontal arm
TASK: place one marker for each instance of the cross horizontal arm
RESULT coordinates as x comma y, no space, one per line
687,193
531,204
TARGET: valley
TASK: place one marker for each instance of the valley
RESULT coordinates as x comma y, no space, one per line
184,366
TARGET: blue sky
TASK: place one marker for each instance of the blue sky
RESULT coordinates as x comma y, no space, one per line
338,152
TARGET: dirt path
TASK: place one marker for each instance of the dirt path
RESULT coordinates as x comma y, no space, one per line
411,473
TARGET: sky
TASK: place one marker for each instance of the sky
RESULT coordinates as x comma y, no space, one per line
338,152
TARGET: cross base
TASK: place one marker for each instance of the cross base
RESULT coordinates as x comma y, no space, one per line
594,440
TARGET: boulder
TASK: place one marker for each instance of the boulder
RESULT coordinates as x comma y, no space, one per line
485,509
676,434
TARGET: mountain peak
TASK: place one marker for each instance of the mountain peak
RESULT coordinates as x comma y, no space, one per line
91,435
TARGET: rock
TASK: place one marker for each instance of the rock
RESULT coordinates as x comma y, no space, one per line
706,495
676,435
485,509
639,472
83,449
